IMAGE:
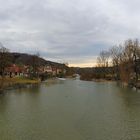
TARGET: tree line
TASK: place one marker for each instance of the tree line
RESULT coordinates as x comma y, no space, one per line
121,62
34,63
6,61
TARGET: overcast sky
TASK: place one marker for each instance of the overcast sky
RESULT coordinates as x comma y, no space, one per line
72,31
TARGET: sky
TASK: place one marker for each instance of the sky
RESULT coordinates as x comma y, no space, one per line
72,31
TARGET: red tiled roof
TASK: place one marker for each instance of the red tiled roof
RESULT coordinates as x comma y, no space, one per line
15,68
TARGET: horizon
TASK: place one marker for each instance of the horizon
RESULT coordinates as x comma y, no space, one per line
70,65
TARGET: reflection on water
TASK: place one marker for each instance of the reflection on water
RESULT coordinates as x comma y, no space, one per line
54,81
70,110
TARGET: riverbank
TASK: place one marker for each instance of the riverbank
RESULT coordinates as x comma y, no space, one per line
90,77
102,80
7,83
124,84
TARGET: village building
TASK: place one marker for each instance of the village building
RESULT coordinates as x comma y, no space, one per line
17,71
48,69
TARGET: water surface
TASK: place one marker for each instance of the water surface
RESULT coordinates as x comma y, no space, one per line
70,110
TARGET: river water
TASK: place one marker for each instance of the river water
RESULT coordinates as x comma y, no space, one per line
70,110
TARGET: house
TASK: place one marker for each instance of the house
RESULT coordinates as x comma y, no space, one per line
59,71
15,71
54,71
48,69
51,70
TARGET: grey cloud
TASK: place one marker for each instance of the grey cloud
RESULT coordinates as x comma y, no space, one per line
73,31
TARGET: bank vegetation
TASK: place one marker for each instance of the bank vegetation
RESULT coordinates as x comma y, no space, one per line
19,68
120,63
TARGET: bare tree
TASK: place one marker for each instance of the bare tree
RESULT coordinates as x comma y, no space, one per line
4,59
4,62
34,66
99,62
103,58
136,56
103,63
125,61
130,56
116,54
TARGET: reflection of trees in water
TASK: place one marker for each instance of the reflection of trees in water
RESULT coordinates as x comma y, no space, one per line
130,111
51,82
5,103
1,91
131,98
34,88
1,84
28,88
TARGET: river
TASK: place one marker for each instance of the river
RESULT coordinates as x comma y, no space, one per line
70,110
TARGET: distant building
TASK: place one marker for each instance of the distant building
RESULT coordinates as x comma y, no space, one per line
15,70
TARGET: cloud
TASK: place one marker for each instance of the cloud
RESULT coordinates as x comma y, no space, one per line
63,30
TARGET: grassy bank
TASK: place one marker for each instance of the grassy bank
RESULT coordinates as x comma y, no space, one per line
8,82
23,80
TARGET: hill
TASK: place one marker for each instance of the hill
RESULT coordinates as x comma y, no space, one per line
26,59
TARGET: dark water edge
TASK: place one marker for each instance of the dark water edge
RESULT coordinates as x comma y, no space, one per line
17,86
135,86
